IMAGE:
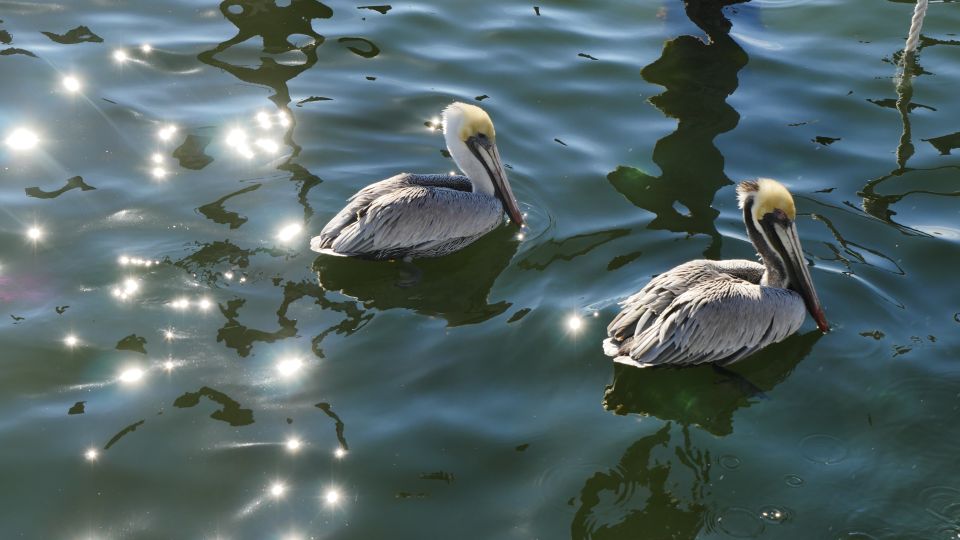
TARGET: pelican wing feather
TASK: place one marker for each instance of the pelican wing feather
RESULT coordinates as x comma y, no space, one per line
703,311
408,213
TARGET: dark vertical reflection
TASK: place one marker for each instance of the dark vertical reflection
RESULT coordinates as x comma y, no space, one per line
660,487
275,24
875,203
698,77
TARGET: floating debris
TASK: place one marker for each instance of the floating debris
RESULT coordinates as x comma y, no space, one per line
518,315
312,99
80,34
133,343
439,475
72,183
129,429
825,141
368,49
945,143
379,9
191,153
231,412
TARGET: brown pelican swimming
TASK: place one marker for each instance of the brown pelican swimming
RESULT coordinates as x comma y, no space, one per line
721,311
429,215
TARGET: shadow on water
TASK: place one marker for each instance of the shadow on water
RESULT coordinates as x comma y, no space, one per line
658,489
455,287
698,77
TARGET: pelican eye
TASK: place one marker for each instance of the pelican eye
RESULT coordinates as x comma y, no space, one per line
482,135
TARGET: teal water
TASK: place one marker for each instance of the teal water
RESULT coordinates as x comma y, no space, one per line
465,405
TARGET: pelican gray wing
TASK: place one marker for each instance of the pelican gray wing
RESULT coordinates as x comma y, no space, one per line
703,311
641,309
410,215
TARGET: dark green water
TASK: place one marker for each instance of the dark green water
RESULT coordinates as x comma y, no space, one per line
467,406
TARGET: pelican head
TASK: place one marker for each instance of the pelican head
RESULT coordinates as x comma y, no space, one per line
769,214
472,142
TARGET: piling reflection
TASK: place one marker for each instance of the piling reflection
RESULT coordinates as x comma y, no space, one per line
875,203
698,77
455,287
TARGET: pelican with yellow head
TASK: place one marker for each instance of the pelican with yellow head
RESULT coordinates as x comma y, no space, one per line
721,311
412,216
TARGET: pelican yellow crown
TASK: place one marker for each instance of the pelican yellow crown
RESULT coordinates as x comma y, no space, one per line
469,119
768,195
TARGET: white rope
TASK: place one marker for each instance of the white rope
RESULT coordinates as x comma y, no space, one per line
916,23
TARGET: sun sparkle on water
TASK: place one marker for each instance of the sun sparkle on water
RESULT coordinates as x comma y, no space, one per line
131,375
293,444
574,323
277,489
332,496
91,454
71,84
21,139
166,132
71,341
288,367
289,232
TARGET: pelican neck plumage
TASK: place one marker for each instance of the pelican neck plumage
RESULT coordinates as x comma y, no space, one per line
455,121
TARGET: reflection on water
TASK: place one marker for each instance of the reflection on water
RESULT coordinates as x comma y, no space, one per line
247,437
705,396
875,203
658,488
241,338
455,287
698,77
672,479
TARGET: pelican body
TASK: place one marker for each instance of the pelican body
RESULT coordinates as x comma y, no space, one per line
721,311
412,216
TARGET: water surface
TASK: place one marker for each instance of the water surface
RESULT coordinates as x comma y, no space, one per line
207,336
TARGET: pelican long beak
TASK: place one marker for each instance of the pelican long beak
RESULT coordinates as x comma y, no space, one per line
486,151
785,232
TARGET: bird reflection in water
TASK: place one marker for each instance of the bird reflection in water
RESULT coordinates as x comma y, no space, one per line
698,77
455,287
661,483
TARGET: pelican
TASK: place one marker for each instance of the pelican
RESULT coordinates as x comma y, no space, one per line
429,215
721,311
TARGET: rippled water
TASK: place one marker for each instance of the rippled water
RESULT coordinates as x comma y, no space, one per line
223,382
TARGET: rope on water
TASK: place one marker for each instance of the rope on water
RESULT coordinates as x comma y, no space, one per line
916,23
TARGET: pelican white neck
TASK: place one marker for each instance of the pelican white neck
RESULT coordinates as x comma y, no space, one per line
460,122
